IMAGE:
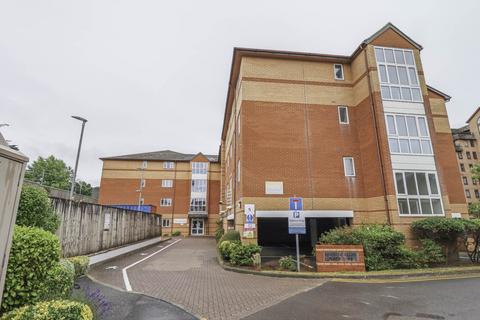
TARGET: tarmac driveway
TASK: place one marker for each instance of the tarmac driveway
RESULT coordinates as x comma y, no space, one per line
188,275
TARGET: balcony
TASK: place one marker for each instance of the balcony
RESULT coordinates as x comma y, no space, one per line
197,214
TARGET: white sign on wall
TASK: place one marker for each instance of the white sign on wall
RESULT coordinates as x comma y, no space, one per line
180,221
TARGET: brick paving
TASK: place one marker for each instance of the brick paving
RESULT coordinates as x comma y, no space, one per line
188,275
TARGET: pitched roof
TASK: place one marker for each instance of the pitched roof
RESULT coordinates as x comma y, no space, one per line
163,155
390,25
440,93
476,111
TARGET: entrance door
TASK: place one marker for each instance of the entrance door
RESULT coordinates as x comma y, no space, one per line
197,227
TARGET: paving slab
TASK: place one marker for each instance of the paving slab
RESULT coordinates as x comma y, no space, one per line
188,275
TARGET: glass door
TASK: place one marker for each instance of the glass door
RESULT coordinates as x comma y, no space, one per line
197,227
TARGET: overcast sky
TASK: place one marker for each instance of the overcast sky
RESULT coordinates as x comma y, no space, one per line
152,75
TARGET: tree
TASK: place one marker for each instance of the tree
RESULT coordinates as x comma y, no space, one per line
35,209
50,172
82,187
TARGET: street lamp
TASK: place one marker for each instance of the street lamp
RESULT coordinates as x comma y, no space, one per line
78,154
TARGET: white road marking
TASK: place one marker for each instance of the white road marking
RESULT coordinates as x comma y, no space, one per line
389,296
365,302
128,287
143,254
112,267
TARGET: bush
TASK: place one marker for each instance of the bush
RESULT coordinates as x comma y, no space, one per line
176,233
51,310
226,247
59,281
242,255
35,209
471,239
166,234
431,253
383,246
444,231
219,231
80,264
34,253
230,235
287,263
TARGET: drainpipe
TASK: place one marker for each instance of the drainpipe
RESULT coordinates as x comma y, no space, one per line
174,189
377,135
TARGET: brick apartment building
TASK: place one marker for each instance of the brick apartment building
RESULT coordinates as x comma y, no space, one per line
466,141
183,188
361,138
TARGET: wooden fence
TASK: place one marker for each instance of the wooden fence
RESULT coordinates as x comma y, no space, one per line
87,228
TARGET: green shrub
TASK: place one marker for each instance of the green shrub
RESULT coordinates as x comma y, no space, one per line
176,233
59,281
383,245
80,263
444,231
287,263
34,253
166,234
230,235
242,255
51,310
35,209
226,248
219,231
431,253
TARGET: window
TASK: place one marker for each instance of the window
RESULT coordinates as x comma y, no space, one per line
338,71
165,202
142,201
143,183
472,143
168,165
462,167
229,192
470,166
199,185
165,223
467,194
343,115
477,195
349,166
144,164
238,171
474,154
408,134
418,193
398,74
238,125
474,181
198,205
167,183
460,154
469,156
465,180
273,187
199,167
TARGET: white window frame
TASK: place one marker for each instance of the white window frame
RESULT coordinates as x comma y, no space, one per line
166,202
143,183
199,167
144,164
335,73
388,84
396,136
345,159
430,195
168,165
339,114
238,125
167,183
238,171
142,201
198,204
165,223
199,185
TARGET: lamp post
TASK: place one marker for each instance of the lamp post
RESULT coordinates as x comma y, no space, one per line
78,155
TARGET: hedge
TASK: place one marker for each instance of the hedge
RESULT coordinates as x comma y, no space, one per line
384,247
230,235
35,209
176,233
59,281
219,231
80,264
237,253
33,256
51,310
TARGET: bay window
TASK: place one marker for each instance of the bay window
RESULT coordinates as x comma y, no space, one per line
408,134
418,193
398,74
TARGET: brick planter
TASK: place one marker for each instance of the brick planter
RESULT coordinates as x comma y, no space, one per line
339,257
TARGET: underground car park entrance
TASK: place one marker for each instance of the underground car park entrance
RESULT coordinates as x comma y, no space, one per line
273,233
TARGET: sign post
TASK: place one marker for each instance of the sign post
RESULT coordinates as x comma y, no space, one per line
296,223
